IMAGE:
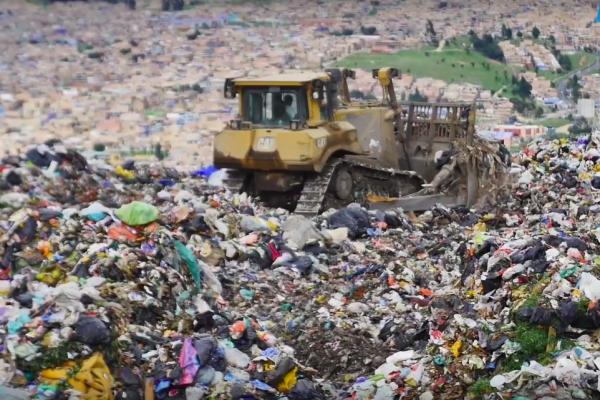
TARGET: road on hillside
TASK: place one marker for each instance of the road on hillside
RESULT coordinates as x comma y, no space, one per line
562,84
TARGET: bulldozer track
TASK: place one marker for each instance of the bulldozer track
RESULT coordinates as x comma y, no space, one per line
367,178
235,181
313,192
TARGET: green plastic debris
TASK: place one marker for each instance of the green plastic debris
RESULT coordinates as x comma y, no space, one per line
479,238
439,361
567,272
137,213
191,262
376,377
247,294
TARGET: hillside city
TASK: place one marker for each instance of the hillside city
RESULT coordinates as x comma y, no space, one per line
156,77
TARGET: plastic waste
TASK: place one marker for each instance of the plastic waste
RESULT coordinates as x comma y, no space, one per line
298,231
351,217
191,262
236,358
95,211
92,331
137,213
9,393
250,223
589,285
188,362
93,379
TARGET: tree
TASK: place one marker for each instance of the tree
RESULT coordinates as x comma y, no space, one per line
522,105
519,34
417,96
488,46
575,88
429,28
99,146
580,126
430,33
506,32
565,62
552,39
368,30
535,32
524,88
158,153
539,112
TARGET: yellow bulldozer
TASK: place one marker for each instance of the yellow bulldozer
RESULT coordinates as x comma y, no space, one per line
300,142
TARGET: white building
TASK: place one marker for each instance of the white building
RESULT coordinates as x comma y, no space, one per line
586,108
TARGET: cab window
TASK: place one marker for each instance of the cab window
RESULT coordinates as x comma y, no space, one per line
274,106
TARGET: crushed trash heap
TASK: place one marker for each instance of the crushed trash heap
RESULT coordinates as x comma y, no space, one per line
143,282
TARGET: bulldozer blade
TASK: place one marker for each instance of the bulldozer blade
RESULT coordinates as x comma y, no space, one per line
418,203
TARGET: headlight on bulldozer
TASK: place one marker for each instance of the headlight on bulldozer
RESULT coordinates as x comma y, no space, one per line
235,124
265,143
294,125
321,142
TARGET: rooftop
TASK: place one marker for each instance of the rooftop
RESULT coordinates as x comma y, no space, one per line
291,78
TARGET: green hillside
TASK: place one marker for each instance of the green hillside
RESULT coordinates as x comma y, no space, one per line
451,65
579,60
454,64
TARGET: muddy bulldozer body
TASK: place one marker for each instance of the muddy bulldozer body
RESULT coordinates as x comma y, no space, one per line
302,143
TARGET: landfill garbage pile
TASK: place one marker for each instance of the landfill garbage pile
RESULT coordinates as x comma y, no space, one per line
141,281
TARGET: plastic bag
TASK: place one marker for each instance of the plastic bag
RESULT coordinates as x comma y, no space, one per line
236,358
95,211
251,223
205,345
122,233
7,393
205,171
289,381
92,331
94,379
298,230
188,362
137,213
353,218
589,285
191,262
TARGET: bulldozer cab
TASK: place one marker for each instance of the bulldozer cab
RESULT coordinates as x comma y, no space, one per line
284,101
